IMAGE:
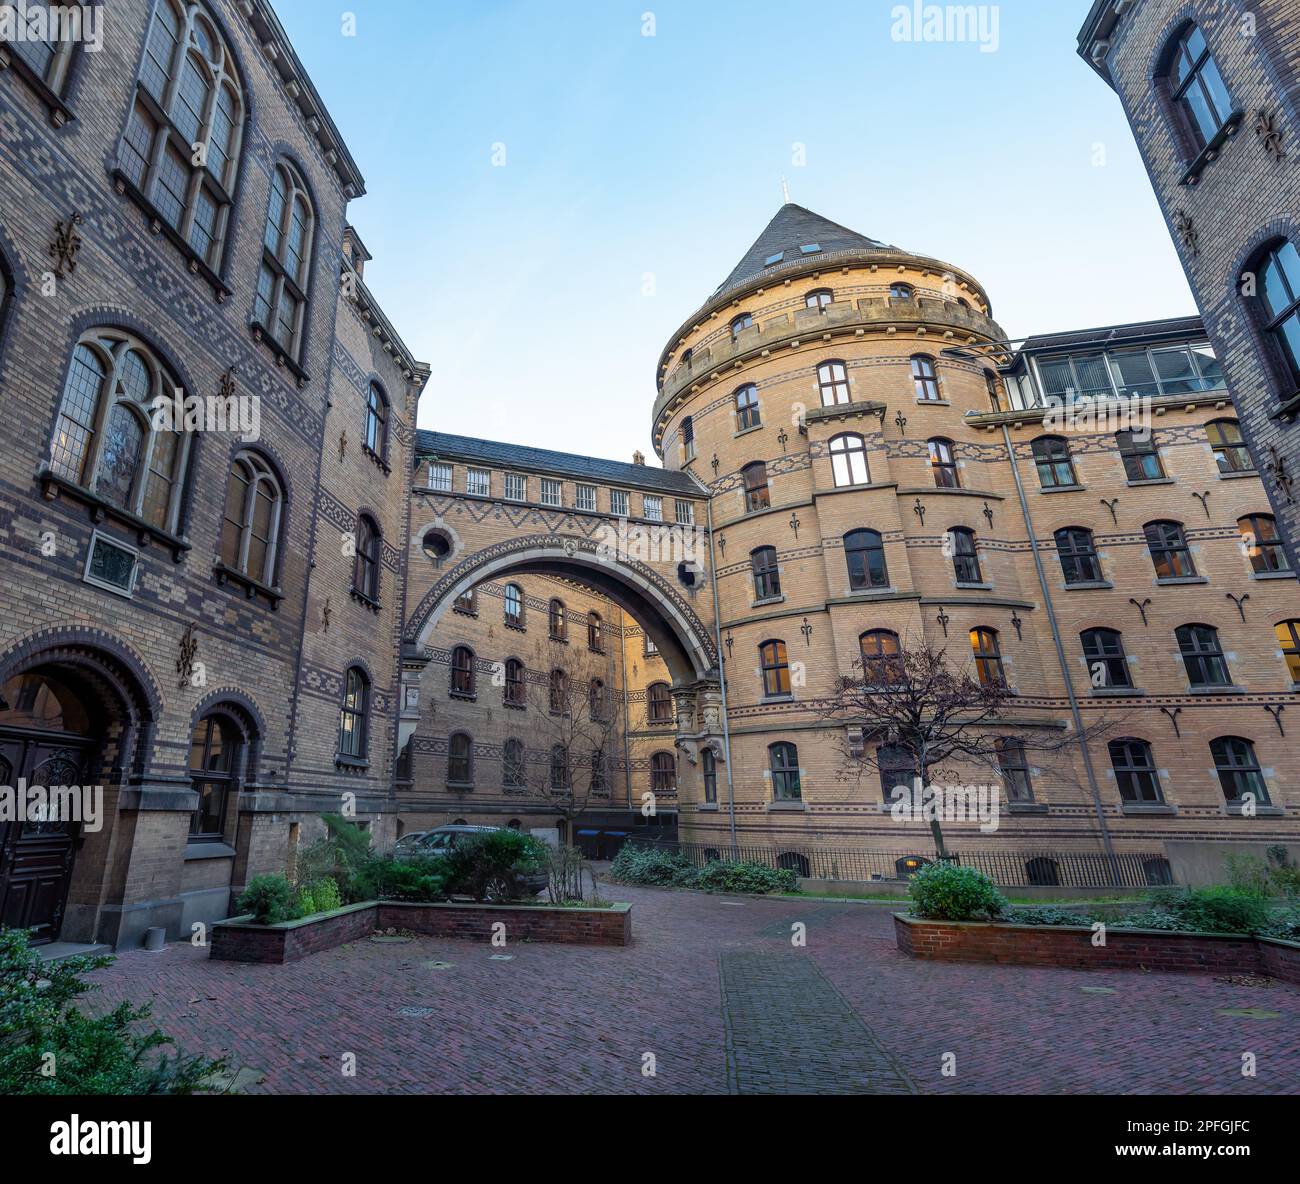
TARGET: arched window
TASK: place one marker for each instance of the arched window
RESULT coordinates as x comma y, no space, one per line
1196,88
709,771
105,439
988,657
365,566
559,692
756,491
467,602
48,58
560,767
1078,555
1238,770
849,460
189,107
460,760
1140,456
833,383
1042,871
280,306
597,701
462,672
377,422
767,575
250,529
663,773
900,291
1135,771
1170,554
354,715
925,378
556,620
820,299
783,761
595,634
965,556
881,663
659,703
515,692
1203,656
1279,299
898,770
1288,638
864,551
747,415
1055,468
943,464
216,753
1013,765
1103,650
740,324
775,667
792,861
1157,871
598,780
513,764
514,603
1262,543
1229,448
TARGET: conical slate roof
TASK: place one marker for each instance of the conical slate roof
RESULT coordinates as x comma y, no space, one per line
795,233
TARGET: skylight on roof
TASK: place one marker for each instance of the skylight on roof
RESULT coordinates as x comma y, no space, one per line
774,259
811,248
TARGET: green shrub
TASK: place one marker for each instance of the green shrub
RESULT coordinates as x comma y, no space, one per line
1049,916
725,875
1221,909
490,866
1284,928
48,1047
423,880
647,866
321,897
270,898
344,856
949,892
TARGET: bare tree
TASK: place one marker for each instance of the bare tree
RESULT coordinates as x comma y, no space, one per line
912,713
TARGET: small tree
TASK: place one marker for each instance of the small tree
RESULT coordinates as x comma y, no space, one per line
927,715
580,725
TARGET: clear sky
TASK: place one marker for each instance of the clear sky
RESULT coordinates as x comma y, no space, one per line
638,169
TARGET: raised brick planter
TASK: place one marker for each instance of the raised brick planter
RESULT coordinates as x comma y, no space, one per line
1071,947
241,940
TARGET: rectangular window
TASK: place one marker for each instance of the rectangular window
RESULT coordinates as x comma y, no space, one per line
111,565
585,497
684,511
440,477
516,487
478,482
618,503
551,490
653,507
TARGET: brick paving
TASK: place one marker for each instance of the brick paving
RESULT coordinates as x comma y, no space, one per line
714,998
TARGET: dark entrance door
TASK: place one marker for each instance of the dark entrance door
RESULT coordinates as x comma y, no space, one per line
36,855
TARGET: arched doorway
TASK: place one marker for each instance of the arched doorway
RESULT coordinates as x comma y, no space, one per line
48,740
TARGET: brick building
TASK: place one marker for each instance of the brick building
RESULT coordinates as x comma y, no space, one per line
203,622
1212,92
318,608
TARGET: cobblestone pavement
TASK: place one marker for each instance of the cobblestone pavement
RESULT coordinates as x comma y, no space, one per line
714,997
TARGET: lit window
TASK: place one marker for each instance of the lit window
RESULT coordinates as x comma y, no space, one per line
1170,554
988,657
1228,446
1262,544
775,668
1288,638
943,464
881,663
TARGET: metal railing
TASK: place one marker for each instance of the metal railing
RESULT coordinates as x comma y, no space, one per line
1009,869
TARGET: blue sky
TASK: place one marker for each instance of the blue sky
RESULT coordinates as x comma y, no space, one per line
628,156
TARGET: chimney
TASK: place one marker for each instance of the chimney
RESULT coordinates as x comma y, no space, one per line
638,458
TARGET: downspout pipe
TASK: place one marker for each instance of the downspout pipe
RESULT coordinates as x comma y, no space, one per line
1061,658
722,679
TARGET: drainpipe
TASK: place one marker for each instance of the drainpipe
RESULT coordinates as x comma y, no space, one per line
1061,658
627,750
722,678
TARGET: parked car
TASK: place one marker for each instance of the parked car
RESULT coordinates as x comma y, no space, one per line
406,844
442,839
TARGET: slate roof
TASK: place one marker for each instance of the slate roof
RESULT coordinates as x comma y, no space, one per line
792,228
496,454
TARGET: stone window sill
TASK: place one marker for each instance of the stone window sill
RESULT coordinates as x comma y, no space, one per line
758,427
794,806
252,588
1117,693
461,786
1210,152
52,486
351,762
933,403
464,696
207,849
1235,810
1087,586
283,357
974,587
1063,489
1239,475
767,600
1226,690
516,628
1152,481
378,460
1272,575
777,699
1166,581
1026,807
361,598
707,807
1158,808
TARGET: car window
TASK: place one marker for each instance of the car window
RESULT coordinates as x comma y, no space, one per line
436,842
